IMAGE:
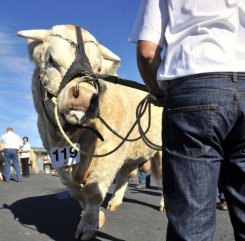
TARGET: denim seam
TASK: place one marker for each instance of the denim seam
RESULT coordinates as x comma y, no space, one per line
211,108
194,154
235,109
192,108
207,90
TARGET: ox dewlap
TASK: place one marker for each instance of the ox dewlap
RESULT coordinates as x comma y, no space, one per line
64,156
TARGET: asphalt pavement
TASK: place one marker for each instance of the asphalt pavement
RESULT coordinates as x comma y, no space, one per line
40,208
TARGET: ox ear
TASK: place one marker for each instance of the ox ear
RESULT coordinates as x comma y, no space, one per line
34,50
108,54
38,35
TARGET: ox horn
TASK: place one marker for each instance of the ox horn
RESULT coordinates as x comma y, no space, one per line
107,54
38,35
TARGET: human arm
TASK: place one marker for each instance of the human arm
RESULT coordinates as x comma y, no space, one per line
24,151
149,60
148,33
25,148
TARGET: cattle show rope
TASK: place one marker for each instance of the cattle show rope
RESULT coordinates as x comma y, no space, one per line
140,110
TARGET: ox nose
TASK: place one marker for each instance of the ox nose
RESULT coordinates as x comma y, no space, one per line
74,92
85,100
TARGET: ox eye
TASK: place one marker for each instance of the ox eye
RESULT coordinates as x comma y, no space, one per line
53,62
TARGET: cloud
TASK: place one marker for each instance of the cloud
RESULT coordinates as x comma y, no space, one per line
28,122
15,64
7,43
16,104
16,69
10,55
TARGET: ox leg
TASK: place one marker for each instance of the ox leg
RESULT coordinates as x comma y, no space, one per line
92,217
122,179
90,198
88,224
162,204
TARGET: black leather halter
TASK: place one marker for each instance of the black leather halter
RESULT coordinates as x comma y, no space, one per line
80,66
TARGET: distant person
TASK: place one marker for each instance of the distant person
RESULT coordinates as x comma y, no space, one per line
12,143
221,200
144,175
25,157
144,179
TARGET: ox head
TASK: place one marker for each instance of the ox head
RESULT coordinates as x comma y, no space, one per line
60,64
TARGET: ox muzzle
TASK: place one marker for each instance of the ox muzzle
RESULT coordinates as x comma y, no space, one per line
81,98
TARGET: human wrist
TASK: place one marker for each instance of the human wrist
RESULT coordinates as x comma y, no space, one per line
158,95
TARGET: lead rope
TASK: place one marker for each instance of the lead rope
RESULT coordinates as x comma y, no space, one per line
54,100
140,110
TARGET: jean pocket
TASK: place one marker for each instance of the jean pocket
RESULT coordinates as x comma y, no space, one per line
188,129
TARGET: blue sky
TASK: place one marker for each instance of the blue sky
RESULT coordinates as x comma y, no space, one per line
110,21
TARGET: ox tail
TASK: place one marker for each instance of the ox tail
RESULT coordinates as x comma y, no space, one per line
33,162
156,168
156,172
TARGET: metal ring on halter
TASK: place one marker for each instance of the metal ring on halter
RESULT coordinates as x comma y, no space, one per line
76,92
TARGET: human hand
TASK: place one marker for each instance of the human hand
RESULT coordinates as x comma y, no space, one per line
156,100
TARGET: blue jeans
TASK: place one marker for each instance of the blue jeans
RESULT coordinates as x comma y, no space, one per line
144,178
204,134
11,154
220,195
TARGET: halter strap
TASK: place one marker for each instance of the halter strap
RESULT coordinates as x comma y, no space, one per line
80,65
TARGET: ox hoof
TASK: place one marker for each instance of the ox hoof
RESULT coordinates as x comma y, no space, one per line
78,234
162,209
113,207
85,235
101,220
88,235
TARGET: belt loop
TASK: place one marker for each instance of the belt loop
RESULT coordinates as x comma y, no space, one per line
234,77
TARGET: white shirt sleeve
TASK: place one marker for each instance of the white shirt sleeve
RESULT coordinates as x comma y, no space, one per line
150,22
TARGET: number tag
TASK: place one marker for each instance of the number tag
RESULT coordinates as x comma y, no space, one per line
64,156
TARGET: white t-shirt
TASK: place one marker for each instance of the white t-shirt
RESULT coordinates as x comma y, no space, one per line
11,140
25,147
197,36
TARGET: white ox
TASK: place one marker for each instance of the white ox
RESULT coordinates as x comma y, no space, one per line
53,52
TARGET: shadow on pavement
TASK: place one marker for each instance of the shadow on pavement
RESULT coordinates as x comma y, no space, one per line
56,215
134,201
